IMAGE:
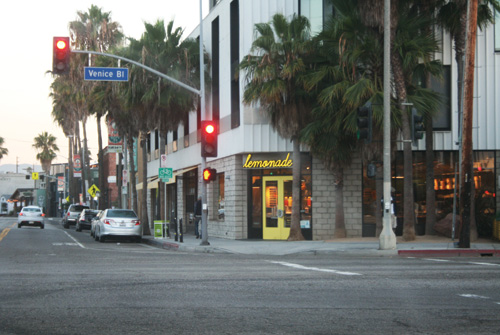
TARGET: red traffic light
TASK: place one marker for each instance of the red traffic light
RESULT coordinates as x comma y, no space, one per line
208,138
61,44
209,174
60,58
209,128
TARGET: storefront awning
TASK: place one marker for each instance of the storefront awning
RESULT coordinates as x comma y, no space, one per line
152,183
179,172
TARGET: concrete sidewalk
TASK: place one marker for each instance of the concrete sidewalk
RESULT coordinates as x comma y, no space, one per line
367,246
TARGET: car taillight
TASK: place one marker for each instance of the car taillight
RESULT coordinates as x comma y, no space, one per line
137,222
20,214
107,221
67,214
43,214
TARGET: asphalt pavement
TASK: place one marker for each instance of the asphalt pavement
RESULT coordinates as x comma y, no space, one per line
367,246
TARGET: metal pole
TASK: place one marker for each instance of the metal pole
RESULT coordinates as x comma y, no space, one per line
387,237
204,212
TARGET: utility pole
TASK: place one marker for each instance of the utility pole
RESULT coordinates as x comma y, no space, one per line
387,238
467,177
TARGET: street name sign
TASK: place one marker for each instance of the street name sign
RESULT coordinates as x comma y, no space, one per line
165,173
106,73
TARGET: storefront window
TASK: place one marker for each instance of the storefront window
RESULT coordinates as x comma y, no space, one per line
497,31
317,11
446,173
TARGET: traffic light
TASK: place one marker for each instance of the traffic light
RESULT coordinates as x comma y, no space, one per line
417,125
60,57
364,119
209,175
208,139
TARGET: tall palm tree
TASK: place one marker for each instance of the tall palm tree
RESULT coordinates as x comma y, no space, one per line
275,70
46,145
94,30
3,151
452,16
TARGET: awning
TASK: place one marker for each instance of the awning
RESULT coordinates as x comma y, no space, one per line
178,172
152,183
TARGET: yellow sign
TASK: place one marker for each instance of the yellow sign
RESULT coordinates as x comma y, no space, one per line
34,175
93,190
267,164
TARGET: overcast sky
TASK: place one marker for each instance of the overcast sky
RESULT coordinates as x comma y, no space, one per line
27,29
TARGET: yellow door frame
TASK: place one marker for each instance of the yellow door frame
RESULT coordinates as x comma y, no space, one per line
274,230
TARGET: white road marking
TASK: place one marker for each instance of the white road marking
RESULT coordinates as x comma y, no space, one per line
71,237
473,296
436,260
298,266
481,263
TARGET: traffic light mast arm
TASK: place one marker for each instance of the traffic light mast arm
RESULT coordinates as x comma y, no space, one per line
175,81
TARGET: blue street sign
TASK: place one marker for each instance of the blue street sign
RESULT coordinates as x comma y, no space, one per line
106,73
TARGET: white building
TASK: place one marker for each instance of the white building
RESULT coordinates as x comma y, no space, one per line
246,202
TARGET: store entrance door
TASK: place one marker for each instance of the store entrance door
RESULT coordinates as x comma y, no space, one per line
277,204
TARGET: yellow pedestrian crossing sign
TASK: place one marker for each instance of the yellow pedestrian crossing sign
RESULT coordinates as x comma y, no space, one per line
34,175
93,190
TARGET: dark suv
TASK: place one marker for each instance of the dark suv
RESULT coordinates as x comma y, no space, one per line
72,215
85,219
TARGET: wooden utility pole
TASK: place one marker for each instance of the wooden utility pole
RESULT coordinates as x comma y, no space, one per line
467,177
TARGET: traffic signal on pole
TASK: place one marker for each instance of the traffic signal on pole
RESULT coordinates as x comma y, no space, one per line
209,175
208,139
60,57
417,125
364,120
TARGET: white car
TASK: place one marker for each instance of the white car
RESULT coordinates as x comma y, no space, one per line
31,216
117,223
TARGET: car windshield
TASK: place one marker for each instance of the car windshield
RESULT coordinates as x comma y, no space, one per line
117,213
77,208
31,210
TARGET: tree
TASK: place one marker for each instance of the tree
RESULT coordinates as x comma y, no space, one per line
45,143
3,151
95,31
453,17
275,71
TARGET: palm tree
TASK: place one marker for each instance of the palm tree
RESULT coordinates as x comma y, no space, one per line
275,71
94,30
3,151
452,16
45,143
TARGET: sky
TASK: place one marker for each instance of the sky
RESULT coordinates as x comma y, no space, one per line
26,31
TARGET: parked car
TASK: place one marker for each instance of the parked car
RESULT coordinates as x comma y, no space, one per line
118,223
93,223
72,215
31,216
84,221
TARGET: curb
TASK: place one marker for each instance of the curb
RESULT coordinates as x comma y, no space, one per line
451,253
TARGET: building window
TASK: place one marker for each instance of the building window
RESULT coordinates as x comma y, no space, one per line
442,120
497,31
174,141
186,131
215,70
235,59
157,140
317,11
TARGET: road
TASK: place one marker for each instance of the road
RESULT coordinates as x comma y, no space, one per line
59,281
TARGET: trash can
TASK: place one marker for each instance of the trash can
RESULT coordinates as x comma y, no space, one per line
159,230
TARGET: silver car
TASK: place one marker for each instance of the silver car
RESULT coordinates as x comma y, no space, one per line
31,216
117,223
72,215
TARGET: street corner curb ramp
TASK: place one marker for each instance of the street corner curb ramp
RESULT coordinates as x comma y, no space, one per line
450,253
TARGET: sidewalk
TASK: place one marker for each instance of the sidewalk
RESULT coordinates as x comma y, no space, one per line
423,246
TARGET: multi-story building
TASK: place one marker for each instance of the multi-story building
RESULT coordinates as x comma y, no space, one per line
249,193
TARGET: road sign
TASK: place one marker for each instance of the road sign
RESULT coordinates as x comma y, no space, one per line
165,173
34,175
93,190
106,73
